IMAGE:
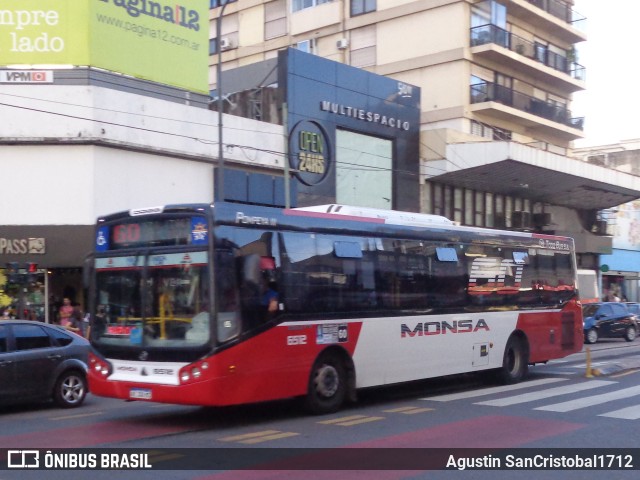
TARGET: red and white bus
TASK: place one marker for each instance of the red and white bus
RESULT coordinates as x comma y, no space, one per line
180,294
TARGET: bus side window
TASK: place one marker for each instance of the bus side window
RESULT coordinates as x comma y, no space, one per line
250,290
228,322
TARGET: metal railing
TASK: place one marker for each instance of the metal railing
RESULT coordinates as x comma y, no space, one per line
561,10
485,34
492,92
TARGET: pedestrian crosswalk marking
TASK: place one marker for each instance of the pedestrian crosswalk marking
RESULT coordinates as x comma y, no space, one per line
542,394
629,413
592,400
492,390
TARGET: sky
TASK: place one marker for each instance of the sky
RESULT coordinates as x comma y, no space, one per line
611,102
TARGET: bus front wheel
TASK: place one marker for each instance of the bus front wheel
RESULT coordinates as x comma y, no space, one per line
327,385
515,362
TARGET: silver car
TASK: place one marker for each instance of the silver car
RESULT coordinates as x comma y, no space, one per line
39,361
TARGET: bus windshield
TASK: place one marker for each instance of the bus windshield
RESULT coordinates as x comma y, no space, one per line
158,300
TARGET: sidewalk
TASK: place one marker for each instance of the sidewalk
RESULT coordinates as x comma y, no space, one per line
616,366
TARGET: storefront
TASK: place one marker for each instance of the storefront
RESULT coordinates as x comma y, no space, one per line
621,269
39,266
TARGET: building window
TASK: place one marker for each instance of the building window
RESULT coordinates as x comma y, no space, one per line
275,19
363,170
302,4
468,207
358,7
218,3
489,131
363,46
229,36
458,205
308,46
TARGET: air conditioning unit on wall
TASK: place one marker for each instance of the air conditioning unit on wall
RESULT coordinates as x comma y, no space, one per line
342,44
225,44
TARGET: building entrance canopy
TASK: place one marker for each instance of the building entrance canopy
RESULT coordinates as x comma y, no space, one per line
508,168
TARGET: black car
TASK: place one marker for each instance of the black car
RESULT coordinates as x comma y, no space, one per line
608,319
39,361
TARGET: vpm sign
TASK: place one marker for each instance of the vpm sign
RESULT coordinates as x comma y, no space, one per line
159,40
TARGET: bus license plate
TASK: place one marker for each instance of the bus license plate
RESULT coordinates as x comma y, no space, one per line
140,393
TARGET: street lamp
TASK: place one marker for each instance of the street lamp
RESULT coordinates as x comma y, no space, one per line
220,179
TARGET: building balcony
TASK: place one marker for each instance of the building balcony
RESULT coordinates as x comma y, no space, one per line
535,60
535,114
553,16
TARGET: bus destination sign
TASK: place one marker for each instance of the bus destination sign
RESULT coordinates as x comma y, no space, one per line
165,232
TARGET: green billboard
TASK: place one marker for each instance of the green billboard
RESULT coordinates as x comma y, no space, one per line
165,41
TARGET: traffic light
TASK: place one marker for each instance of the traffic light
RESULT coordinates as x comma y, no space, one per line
32,271
13,275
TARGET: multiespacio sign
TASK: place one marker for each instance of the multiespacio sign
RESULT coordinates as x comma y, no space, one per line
364,115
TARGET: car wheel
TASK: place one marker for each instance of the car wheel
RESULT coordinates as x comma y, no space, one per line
515,361
630,334
327,385
591,336
70,389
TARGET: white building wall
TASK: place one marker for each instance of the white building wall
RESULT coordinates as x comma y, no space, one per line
71,153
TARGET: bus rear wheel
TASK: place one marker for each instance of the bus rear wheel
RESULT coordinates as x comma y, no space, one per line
327,385
515,362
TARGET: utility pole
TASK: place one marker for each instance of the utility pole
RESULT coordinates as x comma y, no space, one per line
220,178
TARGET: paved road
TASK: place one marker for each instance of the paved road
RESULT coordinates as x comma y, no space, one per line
559,406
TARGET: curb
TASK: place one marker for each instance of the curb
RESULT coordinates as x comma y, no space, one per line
614,368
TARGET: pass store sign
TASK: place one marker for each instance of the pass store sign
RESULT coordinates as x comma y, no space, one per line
165,41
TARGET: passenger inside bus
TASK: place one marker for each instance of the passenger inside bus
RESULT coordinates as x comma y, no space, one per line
269,300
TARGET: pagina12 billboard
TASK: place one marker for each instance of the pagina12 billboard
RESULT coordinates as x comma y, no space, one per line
163,41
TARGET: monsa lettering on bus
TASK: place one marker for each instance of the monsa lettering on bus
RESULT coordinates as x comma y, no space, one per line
177,14
242,218
441,328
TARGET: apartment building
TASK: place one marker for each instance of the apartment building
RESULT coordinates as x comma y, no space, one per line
620,270
496,81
